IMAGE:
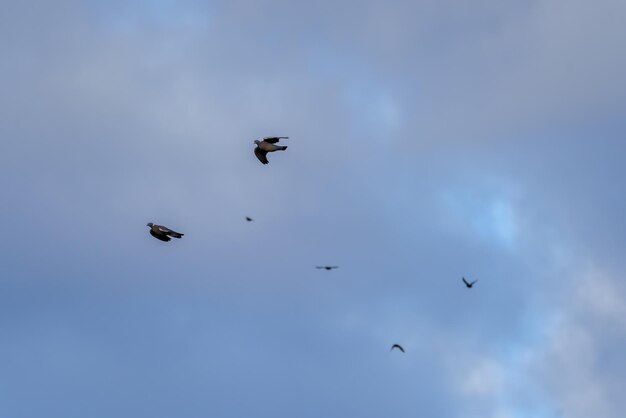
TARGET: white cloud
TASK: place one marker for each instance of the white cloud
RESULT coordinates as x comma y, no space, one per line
485,377
488,215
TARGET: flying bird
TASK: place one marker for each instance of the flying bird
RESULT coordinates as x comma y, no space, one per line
469,285
163,233
249,219
268,144
398,346
327,267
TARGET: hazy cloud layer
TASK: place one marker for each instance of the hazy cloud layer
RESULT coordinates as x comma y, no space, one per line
429,140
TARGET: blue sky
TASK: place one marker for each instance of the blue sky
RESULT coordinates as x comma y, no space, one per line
428,141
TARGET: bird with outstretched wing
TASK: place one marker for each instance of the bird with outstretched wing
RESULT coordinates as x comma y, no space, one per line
163,233
268,144
469,285
398,346
327,267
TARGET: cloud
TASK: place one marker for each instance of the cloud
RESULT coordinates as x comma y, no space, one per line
429,140
572,364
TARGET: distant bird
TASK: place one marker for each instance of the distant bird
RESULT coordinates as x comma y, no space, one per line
469,285
163,233
327,267
249,219
398,346
268,145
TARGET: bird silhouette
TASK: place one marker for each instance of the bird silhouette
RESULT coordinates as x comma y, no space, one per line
327,267
163,233
249,219
268,144
398,346
469,285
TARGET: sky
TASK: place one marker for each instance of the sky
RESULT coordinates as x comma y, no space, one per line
429,140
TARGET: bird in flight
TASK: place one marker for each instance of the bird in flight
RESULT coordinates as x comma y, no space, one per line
467,284
249,219
163,233
327,267
268,144
398,346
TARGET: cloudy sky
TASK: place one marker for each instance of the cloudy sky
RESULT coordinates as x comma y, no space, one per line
429,140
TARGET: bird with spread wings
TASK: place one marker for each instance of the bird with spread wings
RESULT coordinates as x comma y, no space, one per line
469,285
327,267
268,144
163,233
398,346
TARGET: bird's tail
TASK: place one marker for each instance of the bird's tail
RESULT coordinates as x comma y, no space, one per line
283,148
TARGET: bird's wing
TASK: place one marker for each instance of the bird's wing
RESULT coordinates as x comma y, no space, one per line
320,267
401,349
274,139
465,281
261,155
334,267
166,231
158,236
472,283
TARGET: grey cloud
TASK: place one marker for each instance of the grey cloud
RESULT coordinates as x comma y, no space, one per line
419,133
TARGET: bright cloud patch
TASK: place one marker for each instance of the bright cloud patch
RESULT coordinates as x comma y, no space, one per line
491,217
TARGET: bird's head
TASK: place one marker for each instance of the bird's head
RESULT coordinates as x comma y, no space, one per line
149,224
256,141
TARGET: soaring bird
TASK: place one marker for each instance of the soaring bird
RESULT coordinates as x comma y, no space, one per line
469,285
327,267
249,219
268,145
398,346
163,233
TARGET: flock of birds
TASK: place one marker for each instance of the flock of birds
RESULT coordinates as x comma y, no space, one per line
267,144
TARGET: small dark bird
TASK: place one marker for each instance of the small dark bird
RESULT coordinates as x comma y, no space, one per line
327,267
398,346
469,285
249,219
163,233
268,145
